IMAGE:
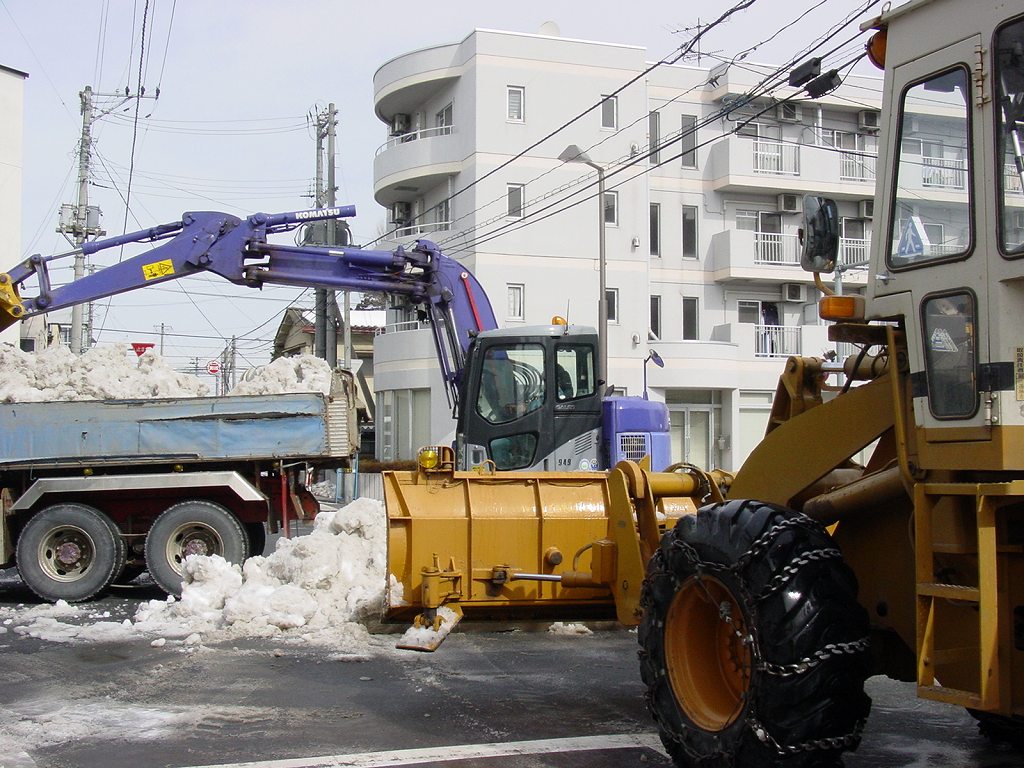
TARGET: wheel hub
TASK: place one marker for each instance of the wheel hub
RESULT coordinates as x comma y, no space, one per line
195,547
706,654
68,553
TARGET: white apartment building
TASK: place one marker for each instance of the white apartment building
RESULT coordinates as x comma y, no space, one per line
12,107
701,210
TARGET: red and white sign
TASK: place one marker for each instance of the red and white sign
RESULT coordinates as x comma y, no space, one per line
140,347
213,367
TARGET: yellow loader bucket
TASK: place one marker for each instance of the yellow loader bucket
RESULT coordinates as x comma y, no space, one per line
11,308
502,541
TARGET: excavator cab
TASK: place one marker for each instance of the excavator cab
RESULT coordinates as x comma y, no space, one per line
532,400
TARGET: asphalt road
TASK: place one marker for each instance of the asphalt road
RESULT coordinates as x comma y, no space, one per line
515,697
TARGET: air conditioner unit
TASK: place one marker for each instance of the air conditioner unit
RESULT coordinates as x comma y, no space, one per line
794,292
867,209
400,124
401,212
789,203
789,112
869,119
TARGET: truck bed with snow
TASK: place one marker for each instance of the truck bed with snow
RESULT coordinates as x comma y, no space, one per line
93,492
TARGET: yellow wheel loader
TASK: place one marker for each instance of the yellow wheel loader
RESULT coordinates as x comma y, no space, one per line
766,599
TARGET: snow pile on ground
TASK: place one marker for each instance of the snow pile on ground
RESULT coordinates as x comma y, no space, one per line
303,373
101,373
571,629
314,589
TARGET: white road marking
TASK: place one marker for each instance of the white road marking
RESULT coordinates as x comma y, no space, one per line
445,754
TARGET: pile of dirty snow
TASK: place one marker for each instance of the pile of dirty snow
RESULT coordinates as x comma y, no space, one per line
314,589
102,373
112,373
303,373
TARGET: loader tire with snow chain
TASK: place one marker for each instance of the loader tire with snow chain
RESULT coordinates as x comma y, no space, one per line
754,649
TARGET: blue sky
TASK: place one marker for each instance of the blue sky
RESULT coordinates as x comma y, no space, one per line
228,132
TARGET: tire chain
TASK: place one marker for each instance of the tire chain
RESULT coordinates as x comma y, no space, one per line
848,741
791,569
831,650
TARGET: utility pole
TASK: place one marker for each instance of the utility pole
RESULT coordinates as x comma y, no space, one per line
325,342
81,221
163,329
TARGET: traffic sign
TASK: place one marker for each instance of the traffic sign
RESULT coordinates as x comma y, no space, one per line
914,241
213,367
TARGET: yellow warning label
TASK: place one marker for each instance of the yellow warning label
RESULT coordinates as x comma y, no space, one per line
1018,373
158,269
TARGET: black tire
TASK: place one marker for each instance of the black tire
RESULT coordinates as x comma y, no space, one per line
1000,729
257,533
754,649
191,528
69,552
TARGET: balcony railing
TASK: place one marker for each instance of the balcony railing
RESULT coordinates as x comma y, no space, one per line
416,230
857,166
776,158
406,325
938,172
853,251
772,248
776,340
424,133
1012,179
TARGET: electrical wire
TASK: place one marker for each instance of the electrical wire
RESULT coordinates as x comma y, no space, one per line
135,127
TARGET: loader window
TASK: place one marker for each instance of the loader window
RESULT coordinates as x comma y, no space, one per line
574,371
931,219
512,382
1009,82
949,344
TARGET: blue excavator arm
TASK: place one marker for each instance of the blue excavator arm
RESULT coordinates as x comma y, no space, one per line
238,250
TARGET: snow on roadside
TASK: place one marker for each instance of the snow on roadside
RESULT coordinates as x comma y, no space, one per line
312,590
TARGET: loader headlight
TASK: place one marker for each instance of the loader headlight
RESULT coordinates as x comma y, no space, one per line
428,458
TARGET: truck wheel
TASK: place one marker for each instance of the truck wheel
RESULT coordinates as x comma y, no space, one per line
69,552
257,533
754,649
191,528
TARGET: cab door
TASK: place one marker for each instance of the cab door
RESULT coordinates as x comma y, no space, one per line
931,262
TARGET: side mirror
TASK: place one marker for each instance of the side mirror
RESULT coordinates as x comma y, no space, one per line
820,234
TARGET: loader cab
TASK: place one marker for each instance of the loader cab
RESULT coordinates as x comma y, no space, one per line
532,400
947,260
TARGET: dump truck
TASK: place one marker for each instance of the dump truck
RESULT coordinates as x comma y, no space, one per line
96,491
764,599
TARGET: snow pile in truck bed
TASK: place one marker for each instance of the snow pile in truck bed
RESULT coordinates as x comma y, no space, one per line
303,373
112,373
102,373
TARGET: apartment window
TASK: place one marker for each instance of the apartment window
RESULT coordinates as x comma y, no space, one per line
516,103
516,193
748,312
655,329
688,141
689,232
655,235
747,220
515,301
444,211
690,330
609,112
611,299
654,134
443,121
611,208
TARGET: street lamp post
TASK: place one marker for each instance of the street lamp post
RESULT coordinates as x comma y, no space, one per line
573,154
